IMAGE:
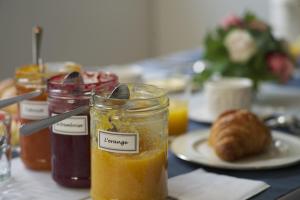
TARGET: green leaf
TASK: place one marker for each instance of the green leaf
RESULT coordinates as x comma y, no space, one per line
202,77
249,16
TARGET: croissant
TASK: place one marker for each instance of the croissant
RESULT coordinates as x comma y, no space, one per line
237,134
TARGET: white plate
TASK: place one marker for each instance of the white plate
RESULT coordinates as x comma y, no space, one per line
172,84
193,147
272,99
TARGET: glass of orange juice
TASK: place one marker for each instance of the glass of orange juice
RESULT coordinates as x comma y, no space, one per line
178,110
176,80
178,116
129,145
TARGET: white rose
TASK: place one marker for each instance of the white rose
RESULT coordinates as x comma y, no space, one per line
240,45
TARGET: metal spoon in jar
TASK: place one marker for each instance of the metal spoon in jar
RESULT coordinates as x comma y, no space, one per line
120,92
37,33
16,99
72,77
36,59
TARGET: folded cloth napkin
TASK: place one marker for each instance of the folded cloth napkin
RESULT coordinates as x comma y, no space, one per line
200,184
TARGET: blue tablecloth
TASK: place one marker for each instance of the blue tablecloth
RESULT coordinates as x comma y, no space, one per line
281,181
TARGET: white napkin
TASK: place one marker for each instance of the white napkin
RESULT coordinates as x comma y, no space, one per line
30,185
33,185
200,184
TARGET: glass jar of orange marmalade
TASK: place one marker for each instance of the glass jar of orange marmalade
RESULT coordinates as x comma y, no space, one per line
35,148
129,145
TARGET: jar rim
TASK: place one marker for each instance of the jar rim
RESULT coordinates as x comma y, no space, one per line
33,70
56,86
154,98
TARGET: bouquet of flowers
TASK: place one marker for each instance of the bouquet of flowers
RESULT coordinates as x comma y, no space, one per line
246,47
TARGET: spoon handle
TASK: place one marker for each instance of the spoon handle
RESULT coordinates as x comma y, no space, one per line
36,44
28,129
16,99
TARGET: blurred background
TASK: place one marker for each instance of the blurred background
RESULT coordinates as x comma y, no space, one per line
102,32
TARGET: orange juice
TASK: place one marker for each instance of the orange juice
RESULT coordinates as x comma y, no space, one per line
129,145
178,117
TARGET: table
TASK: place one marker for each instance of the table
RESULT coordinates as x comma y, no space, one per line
282,181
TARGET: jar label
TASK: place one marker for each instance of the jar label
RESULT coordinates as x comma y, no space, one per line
34,110
118,142
75,125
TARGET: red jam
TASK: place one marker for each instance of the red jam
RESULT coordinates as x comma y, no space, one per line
70,138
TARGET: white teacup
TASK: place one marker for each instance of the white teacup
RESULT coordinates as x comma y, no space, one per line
226,94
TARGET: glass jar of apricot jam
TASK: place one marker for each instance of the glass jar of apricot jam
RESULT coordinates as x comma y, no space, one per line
70,138
35,148
129,145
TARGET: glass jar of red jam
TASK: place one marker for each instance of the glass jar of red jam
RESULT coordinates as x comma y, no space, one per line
70,138
35,148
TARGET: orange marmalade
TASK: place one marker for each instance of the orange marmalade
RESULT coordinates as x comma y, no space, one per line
129,145
35,148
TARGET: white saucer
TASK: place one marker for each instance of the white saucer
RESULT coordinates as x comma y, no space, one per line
193,147
198,110
272,99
